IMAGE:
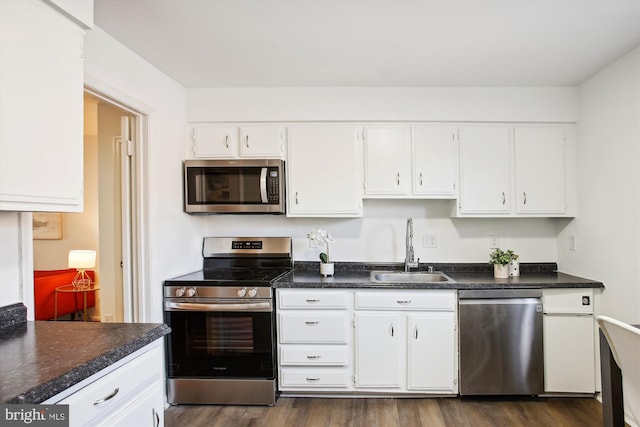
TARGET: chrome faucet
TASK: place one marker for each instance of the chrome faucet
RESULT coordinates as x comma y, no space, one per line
409,260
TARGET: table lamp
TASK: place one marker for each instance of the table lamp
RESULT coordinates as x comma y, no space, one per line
81,260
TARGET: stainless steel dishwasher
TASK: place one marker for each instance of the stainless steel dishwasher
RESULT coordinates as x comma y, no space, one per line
501,342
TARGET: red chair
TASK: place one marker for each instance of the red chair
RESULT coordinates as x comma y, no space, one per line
46,281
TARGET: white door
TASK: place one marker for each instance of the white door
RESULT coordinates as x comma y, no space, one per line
434,161
379,346
387,151
431,352
262,141
324,177
485,169
540,169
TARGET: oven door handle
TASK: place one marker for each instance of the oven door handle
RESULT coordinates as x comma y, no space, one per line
263,186
242,306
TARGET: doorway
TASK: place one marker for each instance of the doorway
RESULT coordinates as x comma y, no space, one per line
117,135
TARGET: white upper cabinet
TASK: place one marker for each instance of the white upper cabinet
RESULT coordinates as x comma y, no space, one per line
410,162
387,151
540,170
324,173
41,108
485,169
224,142
514,171
262,141
435,159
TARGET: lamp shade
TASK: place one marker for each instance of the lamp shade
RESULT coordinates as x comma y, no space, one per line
82,259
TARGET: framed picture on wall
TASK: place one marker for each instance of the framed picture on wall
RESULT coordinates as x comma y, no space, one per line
47,225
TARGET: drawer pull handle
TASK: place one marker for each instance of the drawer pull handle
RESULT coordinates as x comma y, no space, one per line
311,323
391,331
312,379
313,301
104,399
415,333
313,357
404,302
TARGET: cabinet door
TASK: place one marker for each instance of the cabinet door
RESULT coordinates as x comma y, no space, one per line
379,350
387,161
434,161
485,172
431,347
147,409
540,169
41,109
262,141
569,354
324,176
215,142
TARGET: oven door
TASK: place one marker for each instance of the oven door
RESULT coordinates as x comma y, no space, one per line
220,339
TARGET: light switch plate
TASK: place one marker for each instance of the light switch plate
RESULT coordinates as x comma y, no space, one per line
572,243
494,242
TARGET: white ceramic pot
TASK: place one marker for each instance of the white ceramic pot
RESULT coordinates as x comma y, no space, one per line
514,268
500,271
326,269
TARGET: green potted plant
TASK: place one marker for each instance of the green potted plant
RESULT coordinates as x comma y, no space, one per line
323,238
500,260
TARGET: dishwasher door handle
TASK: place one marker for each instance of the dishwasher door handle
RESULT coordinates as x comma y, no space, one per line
501,301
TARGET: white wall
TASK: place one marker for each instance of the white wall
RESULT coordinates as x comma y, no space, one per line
173,239
508,104
10,258
607,229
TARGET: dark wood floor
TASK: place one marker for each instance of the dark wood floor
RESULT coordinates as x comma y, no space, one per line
432,412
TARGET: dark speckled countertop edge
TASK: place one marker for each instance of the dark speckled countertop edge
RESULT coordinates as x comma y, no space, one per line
57,385
465,276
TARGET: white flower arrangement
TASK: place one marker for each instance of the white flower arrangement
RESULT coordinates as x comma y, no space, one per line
323,237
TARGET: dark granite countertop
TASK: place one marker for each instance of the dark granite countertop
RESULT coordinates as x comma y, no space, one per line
43,358
466,276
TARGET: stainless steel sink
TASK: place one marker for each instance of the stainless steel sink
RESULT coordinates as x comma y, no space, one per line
410,277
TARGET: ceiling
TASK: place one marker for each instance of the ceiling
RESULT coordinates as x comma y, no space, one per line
289,43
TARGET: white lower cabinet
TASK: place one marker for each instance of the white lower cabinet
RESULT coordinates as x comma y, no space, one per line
569,341
314,340
405,340
132,394
366,341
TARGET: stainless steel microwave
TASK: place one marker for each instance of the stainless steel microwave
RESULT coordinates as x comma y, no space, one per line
234,186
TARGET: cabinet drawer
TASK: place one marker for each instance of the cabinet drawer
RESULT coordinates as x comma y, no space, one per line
310,299
313,327
291,377
395,300
568,300
314,355
115,389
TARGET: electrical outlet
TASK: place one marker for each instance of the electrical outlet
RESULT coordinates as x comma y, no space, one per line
572,243
494,242
107,317
429,240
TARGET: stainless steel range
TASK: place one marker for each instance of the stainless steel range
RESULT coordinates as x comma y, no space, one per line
221,349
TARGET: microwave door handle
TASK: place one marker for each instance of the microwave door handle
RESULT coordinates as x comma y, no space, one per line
263,185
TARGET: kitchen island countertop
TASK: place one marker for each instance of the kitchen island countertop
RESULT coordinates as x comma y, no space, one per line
43,358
